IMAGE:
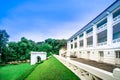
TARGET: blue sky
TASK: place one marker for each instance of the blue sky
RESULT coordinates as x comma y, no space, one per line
41,19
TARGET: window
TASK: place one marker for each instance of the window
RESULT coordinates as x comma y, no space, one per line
81,43
71,40
75,45
117,13
71,46
102,36
117,54
88,51
116,31
102,22
81,35
90,30
75,38
90,40
101,53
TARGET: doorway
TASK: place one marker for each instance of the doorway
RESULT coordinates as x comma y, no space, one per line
117,57
101,56
38,59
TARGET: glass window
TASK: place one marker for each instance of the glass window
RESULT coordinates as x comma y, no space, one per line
71,40
75,45
102,36
90,30
75,38
102,22
115,14
81,35
81,43
116,31
117,54
90,40
71,46
101,53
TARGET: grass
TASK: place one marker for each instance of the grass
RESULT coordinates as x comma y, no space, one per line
27,72
52,69
12,72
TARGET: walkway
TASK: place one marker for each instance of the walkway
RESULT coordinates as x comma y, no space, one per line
104,66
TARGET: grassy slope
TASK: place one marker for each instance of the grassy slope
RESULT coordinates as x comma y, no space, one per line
52,69
11,72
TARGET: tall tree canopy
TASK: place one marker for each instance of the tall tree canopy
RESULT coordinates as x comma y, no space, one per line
3,42
20,50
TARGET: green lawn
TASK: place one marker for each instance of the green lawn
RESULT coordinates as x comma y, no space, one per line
12,72
52,69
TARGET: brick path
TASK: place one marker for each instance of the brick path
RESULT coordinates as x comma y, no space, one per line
104,66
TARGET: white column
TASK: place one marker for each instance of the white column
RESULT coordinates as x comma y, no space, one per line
73,44
85,40
78,42
109,29
68,49
94,35
78,46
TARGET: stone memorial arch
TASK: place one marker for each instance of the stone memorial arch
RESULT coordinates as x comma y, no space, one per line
37,56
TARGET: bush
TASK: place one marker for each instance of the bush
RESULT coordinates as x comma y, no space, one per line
27,72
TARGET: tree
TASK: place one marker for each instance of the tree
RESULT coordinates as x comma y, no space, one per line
13,51
3,42
56,44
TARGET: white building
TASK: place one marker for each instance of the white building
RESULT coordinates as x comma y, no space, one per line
63,52
35,55
99,40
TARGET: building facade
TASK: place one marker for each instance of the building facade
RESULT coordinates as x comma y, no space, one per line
34,57
99,40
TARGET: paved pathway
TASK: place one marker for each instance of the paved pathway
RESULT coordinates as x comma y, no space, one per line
104,66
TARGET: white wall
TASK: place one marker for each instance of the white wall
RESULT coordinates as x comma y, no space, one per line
34,56
109,57
94,55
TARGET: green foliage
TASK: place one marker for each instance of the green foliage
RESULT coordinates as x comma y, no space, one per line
20,51
52,69
27,72
56,44
3,42
12,72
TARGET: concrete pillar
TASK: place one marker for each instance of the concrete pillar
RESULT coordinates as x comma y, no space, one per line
78,42
68,49
94,35
85,40
109,29
73,44
78,46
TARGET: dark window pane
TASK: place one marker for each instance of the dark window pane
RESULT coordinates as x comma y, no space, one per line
102,22
90,40
102,36
115,14
81,43
116,31
90,30
81,35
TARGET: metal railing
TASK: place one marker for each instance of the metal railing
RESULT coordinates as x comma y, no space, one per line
102,43
116,40
101,28
116,20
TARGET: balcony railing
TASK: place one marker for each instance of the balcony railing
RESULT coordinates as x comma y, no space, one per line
101,28
90,45
116,40
116,20
102,43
